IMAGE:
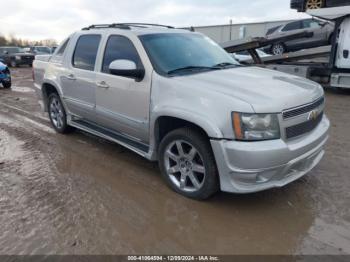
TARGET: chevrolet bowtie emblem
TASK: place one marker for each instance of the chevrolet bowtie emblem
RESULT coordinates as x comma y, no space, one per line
313,115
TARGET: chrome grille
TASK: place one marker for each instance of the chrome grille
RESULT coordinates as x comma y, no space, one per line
302,110
303,128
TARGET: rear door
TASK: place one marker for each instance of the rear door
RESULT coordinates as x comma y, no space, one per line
78,81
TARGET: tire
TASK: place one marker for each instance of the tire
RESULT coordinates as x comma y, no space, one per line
57,114
7,85
278,49
330,39
314,4
188,165
13,64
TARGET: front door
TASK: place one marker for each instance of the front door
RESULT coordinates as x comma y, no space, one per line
122,103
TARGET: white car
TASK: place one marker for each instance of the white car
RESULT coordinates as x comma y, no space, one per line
176,97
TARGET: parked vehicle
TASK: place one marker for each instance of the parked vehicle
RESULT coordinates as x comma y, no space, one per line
5,76
303,5
40,50
53,49
15,57
322,35
243,56
176,97
327,65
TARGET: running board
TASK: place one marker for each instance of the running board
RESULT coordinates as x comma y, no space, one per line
118,138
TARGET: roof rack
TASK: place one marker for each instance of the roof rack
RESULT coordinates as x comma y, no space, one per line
101,26
125,26
146,25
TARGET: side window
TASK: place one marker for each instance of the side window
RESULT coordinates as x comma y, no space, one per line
119,47
85,53
306,23
61,50
292,26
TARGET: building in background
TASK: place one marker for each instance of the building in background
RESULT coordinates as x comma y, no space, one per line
223,33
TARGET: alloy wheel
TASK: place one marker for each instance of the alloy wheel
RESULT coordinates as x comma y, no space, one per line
56,113
184,166
314,4
278,49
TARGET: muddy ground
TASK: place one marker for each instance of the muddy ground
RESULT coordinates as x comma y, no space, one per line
78,194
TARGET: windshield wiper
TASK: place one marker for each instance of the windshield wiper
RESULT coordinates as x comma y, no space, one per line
224,65
192,68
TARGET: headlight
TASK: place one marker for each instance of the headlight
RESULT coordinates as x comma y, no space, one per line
18,57
255,127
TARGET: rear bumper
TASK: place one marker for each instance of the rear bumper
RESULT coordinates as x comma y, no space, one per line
247,167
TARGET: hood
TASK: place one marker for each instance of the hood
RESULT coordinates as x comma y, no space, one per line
267,91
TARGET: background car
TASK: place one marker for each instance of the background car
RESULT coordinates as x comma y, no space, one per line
40,50
5,75
303,5
53,49
322,35
14,56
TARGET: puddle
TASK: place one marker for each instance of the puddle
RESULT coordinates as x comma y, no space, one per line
22,89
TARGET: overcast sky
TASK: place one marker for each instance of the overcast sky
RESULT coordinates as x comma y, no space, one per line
42,19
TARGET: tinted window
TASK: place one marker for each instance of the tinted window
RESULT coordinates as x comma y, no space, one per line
169,52
12,50
292,26
62,48
272,30
86,51
120,47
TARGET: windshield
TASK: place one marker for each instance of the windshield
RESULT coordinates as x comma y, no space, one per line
43,49
12,50
171,52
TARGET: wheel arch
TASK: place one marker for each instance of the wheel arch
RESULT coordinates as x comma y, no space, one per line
47,89
166,123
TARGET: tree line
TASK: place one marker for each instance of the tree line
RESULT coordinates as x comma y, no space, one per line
14,41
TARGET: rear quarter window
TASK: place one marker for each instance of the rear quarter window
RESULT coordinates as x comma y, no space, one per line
292,26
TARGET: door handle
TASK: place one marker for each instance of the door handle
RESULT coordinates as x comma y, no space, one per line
71,77
102,84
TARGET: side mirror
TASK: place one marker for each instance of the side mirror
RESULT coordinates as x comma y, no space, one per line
6,52
126,68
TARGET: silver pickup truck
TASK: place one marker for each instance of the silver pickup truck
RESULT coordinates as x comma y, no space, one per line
176,97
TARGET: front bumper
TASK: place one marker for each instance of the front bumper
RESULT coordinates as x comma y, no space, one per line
4,78
247,167
25,60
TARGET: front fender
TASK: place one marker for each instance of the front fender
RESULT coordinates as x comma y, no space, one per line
191,116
